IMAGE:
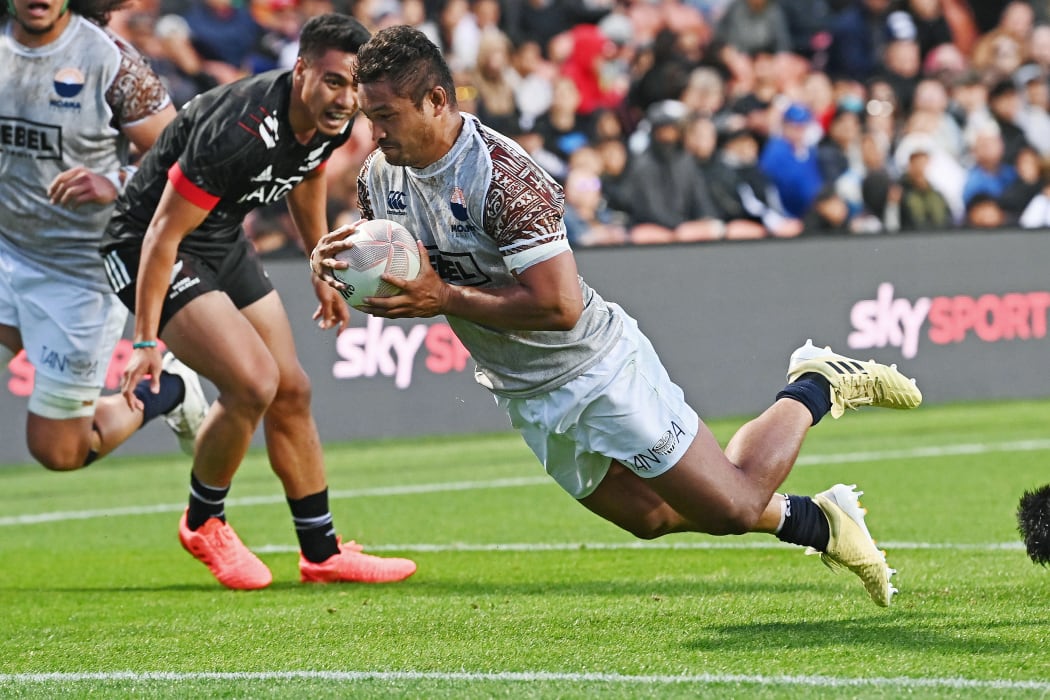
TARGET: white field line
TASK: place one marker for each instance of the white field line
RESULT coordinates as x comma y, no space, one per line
613,546
702,679
929,452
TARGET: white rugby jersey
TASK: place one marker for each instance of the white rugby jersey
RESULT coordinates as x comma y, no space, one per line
485,209
62,106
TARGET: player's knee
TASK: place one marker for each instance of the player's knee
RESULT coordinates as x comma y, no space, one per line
252,396
56,457
654,524
294,391
734,517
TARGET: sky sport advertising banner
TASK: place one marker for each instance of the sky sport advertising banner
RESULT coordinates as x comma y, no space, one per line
966,313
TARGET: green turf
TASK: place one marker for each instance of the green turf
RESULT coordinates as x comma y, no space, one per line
521,593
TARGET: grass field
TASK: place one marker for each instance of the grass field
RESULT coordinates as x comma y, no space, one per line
521,593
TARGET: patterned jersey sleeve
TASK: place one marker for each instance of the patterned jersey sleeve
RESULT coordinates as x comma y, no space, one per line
523,209
364,196
137,93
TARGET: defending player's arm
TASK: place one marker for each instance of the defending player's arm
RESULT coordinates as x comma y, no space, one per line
176,216
307,205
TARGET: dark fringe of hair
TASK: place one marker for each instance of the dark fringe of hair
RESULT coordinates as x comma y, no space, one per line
1033,522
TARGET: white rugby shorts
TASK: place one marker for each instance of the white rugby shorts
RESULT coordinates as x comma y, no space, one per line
68,332
625,408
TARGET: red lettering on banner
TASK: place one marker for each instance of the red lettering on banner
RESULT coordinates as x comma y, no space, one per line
990,317
389,350
447,354
22,373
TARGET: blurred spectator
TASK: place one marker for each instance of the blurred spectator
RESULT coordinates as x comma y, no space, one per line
414,14
755,25
1033,116
705,92
1021,191
306,9
533,90
901,60
931,101
743,193
984,211
561,127
165,42
858,36
931,28
588,219
879,190
495,80
829,215
881,112
542,20
969,102
532,142
807,23
790,161
223,32
839,151
818,94
281,23
666,77
1039,47
614,174
945,173
922,207
1004,104
669,201
990,174
945,63
586,67
701,141
1037,213
1001,51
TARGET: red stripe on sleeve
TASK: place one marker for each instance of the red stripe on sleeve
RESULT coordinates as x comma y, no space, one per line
190,191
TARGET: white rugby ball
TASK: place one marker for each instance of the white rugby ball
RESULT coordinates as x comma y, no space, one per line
381,246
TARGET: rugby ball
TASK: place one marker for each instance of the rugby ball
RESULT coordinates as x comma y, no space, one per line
381,246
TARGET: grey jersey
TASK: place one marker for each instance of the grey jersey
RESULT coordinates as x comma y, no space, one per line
63,106
484,210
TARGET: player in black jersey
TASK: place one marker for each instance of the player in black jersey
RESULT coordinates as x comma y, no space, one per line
177,255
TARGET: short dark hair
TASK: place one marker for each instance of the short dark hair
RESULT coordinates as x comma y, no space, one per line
406,58
331,31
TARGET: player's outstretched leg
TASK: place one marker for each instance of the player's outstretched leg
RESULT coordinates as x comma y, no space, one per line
218,547
854,383
850,545
352,565
186,418
1033,521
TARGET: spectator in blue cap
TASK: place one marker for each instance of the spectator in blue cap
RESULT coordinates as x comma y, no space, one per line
790,161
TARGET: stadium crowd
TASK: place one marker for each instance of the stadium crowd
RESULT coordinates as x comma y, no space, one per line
697,120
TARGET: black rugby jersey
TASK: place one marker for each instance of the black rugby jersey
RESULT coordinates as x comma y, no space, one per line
229,150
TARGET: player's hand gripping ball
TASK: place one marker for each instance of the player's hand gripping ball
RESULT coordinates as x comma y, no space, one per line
381,246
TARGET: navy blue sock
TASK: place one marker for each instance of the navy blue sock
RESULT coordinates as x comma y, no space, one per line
172,391
313,526
805,524
813,391
205,502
